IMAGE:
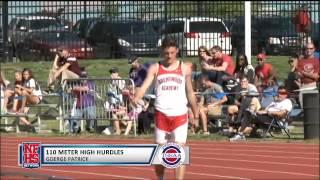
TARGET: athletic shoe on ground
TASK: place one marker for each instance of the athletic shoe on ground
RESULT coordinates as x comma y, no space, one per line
206,133
107,131
238,137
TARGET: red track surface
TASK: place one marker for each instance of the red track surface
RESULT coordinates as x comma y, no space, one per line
209,160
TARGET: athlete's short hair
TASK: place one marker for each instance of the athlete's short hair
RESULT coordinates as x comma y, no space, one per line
168,42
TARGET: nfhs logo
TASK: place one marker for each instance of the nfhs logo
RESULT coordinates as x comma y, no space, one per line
30,155
171,155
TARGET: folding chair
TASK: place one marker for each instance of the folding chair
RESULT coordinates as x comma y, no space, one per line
281,124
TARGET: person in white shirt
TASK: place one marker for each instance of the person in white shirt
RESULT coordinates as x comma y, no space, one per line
277,109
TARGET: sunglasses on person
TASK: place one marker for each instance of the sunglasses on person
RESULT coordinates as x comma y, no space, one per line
259,59
282,92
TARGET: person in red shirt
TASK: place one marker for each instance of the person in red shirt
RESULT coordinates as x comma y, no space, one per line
302,23
220,65
308,71
308,66
264,73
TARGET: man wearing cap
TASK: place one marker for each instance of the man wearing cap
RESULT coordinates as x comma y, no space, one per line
138,71
264,73
64,67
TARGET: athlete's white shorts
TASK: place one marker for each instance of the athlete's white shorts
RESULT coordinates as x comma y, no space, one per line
178,135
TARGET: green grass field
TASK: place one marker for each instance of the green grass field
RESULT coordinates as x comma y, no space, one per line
100,68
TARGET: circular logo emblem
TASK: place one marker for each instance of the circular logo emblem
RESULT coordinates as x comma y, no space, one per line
171,155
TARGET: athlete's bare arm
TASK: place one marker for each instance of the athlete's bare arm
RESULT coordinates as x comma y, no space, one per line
146,83
190,93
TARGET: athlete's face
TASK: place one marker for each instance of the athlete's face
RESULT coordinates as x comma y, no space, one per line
170,53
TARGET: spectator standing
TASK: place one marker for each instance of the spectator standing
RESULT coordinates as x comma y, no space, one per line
64,67
302,21
308,70
243,68
85,104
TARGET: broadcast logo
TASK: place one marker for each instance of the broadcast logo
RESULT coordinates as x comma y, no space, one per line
171,155
30,155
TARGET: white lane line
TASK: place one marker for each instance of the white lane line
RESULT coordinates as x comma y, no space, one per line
195,173
80,172
255,170
261,162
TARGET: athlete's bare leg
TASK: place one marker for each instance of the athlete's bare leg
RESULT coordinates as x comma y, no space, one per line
180,171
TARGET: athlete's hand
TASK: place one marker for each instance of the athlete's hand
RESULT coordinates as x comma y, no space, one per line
135,101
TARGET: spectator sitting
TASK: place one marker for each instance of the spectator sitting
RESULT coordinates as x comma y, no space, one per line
243,68
3,85
211,101
308,70
64,67
219,67
204,56
85,104
13,91
138,71
244,100
278,109
31,93
264,74
134,111
116,99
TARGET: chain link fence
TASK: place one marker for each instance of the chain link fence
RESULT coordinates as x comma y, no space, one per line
33,30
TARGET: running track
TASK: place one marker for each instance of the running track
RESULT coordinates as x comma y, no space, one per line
209,160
